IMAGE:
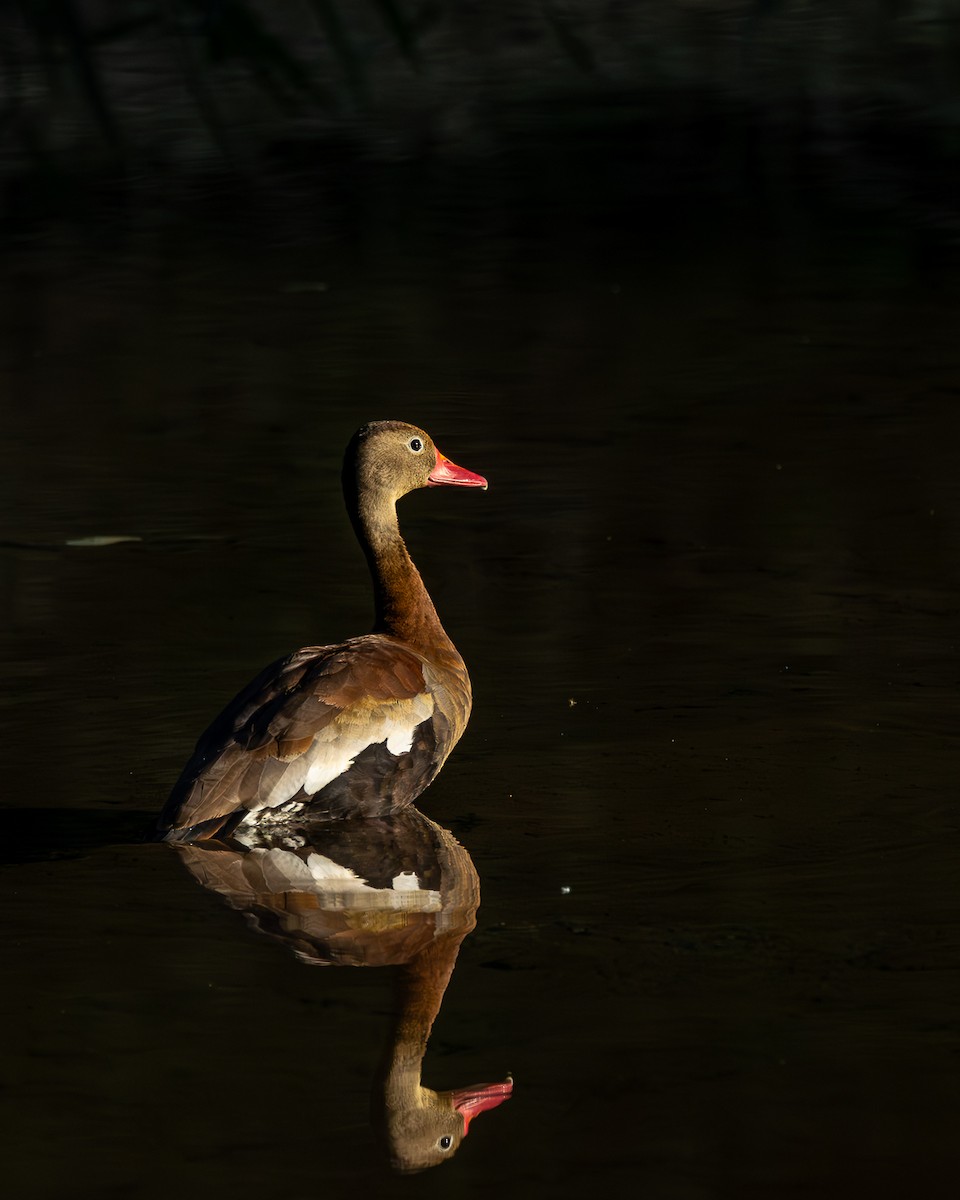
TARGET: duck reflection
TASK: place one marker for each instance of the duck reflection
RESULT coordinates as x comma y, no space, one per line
394,891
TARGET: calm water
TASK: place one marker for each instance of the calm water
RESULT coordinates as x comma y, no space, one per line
710,608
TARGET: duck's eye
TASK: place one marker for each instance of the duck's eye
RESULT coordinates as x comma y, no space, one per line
445,1142
415,445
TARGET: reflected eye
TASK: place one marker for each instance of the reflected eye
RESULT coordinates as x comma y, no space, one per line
445,1142
416,445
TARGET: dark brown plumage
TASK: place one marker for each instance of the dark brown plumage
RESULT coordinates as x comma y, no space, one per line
358,729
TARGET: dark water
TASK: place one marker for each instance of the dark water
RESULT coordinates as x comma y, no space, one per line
710,608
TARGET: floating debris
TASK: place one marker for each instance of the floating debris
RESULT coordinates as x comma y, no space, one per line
105,539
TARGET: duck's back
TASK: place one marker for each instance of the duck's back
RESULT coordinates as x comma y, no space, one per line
357,729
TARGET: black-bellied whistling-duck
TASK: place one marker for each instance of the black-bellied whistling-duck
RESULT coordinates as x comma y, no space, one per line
424,1128
395,892
358,729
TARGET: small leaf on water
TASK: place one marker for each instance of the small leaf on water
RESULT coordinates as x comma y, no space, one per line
104,539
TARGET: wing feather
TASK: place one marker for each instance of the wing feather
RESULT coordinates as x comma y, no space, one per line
300,723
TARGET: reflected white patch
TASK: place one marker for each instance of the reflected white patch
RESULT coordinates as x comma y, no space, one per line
406,881
276,872
340,887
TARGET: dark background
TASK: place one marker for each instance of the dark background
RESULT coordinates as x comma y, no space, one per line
681,280
134,106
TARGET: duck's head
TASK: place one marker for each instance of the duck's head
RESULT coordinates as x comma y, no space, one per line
429,1131
392,458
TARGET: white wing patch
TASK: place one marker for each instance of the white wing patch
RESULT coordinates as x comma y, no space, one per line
336,747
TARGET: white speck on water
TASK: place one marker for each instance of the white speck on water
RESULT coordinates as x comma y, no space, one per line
564,890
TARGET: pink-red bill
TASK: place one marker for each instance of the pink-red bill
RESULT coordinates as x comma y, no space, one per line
469,1101
448,472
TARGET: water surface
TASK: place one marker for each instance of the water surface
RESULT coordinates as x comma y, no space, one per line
709,605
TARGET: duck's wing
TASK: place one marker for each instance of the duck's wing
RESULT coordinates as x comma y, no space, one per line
298,730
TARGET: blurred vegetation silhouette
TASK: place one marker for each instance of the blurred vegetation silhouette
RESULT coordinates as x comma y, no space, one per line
53,53
175,84
52,50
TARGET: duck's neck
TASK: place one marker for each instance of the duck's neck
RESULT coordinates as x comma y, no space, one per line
420,988
403,605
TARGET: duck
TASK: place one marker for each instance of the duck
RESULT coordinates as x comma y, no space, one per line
423,1128
357,729
397,892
